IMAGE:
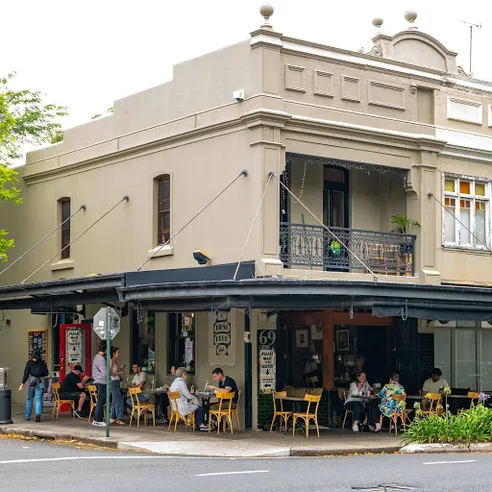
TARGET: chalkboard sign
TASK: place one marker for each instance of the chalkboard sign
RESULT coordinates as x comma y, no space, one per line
38,340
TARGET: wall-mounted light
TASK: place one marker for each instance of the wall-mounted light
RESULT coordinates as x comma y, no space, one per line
201,257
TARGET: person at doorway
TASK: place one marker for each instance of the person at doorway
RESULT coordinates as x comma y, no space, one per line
34,373
116,399
187,403
359,366
72,388
225,384
99,375
435,384
387,405
360,388
139,381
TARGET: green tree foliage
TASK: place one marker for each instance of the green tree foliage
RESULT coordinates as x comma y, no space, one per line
25,119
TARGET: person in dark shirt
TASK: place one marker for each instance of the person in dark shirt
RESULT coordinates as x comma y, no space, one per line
34,373
72,388
225,384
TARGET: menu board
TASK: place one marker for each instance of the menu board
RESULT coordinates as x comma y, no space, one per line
38,340
75,349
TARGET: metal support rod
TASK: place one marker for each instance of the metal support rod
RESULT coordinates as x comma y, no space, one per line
270,176
125,198
244,173
108,371
82,207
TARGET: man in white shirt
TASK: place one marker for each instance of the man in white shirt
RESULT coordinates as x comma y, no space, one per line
139,381
435,384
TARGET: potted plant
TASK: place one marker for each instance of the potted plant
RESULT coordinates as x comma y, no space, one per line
335,247
403,226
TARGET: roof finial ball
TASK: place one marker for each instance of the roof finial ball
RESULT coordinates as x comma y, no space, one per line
410,16
377,22
266,11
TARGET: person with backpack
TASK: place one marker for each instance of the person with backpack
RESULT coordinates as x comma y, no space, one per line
34,373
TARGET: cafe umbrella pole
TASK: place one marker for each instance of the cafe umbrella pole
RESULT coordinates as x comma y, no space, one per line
108,370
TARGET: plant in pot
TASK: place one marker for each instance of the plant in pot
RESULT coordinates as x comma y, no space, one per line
335,247
403,225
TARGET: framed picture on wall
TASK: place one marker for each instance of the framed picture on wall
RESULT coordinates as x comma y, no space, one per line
343,340
302,339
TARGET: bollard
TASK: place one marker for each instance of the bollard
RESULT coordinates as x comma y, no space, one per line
5,407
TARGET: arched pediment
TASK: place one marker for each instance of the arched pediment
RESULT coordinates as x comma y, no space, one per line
417,48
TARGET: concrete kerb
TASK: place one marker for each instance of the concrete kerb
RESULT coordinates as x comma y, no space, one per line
60,436
437,448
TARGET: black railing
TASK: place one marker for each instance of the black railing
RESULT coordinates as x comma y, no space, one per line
314,247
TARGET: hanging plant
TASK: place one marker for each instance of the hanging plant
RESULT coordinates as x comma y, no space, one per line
335,247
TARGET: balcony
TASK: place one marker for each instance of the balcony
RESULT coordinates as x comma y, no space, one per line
313,247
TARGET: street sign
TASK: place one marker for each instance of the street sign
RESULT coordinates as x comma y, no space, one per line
100,320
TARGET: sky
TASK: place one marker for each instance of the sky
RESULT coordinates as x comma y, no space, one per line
85,55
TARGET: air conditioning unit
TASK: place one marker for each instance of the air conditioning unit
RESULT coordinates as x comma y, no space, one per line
486,324
430,326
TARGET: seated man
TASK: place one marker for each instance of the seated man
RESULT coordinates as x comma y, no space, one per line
139,381
72,388
225,384
435,384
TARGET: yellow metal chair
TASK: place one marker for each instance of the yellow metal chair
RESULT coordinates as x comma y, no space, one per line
59,402
281,414
474,400
223,413
140,408
434,400
92,399
308,416
393,418
347,411
189,420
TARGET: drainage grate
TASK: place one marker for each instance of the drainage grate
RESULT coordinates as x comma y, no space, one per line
391,487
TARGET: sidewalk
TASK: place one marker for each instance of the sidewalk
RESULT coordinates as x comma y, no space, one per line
241,444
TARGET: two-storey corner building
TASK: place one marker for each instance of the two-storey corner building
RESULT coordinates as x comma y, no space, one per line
363,223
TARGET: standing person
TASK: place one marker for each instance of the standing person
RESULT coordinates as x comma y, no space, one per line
116,399
99,375
34,373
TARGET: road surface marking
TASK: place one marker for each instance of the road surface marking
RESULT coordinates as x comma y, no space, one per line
77,458
231,473
448,462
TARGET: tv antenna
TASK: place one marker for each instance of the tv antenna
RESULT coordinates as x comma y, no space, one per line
471,26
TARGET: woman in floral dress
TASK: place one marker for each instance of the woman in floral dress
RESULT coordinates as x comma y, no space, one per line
387,404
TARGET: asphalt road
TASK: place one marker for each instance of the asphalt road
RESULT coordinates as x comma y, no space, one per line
30,466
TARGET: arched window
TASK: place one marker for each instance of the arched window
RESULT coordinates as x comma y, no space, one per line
64,214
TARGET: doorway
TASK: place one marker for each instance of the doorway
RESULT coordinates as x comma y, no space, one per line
336,217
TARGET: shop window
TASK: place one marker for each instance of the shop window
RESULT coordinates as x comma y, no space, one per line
143,339
163,190
466,220
182,332
64,214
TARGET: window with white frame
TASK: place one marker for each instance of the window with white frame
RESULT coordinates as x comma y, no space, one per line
467,212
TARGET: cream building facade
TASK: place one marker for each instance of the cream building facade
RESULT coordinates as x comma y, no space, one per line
334,143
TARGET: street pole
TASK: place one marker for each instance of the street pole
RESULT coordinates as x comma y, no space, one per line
471,45
108,370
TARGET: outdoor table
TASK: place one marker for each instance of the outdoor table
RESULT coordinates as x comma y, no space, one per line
296,406
205,397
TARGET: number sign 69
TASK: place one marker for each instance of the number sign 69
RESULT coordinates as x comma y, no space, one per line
267,337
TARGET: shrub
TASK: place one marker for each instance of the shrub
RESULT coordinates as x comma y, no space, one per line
470,426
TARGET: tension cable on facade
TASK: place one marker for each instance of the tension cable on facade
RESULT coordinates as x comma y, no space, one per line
431,195
244,173
332,234
253,225
126,198
82,207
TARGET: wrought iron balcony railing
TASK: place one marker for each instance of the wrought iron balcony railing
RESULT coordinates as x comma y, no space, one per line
313,246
